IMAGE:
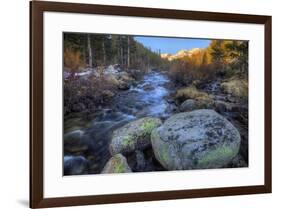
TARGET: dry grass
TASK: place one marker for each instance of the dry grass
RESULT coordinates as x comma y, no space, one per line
236,87
191,93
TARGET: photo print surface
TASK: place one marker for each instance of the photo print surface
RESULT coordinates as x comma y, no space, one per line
145,104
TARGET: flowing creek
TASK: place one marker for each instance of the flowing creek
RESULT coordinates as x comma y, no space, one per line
86,145
147,98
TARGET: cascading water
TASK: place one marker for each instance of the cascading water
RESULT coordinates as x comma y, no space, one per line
147,98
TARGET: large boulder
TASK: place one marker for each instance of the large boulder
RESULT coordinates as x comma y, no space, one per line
192,104
195,140
133,136
117,164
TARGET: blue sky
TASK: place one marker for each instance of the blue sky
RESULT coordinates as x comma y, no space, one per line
171,45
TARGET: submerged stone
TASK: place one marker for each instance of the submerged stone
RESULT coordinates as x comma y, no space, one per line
75,165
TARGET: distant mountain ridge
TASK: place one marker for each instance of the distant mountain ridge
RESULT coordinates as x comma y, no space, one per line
181,54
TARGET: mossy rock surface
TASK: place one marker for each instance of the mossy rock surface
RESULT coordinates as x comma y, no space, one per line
117,164
198,139
133,136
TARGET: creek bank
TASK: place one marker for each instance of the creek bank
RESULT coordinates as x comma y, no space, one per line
94,88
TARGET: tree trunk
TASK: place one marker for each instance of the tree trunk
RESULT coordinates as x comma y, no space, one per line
90,52
128,57
103,51
85,49
121,53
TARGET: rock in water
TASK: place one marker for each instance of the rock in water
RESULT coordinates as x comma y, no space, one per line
195,140
117,164
133,136
192,104
74,143
73,135
74,165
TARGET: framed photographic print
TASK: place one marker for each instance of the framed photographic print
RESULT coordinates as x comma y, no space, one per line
138,104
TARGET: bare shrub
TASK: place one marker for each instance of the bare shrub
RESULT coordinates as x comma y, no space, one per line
185,73
87,94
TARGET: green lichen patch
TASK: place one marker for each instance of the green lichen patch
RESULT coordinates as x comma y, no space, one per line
128,142
219,154
160,148
117,164
164,153
148,127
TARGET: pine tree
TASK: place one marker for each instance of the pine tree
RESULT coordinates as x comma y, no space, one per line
238,50
128,51
217,52
90,56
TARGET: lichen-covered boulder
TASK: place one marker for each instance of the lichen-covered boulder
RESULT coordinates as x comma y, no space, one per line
133,136
117,164
195,140
192,104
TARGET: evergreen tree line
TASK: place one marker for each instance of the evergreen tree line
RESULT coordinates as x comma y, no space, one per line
92,50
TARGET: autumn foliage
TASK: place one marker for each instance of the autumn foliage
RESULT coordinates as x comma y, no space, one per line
72,60
220,58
